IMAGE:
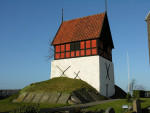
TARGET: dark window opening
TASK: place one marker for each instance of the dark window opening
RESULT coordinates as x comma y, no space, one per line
75,46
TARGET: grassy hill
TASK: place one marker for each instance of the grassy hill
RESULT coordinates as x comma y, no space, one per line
58,84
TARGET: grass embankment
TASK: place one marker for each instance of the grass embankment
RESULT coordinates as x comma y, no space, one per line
117,105
58,84
7,104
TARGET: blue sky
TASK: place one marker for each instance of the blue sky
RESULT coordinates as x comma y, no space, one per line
27,25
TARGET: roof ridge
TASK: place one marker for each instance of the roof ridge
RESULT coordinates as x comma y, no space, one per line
83,17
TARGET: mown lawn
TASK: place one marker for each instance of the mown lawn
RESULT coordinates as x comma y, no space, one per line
117,105
7,105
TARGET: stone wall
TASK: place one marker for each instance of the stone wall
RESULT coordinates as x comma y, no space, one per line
76,97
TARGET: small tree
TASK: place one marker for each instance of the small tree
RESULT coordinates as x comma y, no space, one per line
132,86
50,51
136,94
135,86
128,97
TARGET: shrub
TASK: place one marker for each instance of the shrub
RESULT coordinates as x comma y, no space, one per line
27,109
128,97
136,94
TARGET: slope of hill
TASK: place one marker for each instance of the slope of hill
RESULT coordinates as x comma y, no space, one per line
58,84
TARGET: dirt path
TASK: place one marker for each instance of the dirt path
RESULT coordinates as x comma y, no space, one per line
76,106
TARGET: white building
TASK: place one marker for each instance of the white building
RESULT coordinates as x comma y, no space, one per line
83,50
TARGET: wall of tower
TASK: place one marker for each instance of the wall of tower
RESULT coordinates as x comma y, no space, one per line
88,67
91,69
106,77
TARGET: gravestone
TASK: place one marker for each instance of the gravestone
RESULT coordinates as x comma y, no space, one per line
137,106
63,98
149,109
37,97
54,98
29,97
110,110
21,97
45,97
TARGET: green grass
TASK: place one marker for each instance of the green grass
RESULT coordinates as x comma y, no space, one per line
7,104
58,84
117,105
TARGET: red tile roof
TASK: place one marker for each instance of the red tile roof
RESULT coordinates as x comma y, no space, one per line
79,29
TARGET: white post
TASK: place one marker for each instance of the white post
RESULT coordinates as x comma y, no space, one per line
128,71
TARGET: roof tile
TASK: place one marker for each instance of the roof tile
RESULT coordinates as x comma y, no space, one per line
79,29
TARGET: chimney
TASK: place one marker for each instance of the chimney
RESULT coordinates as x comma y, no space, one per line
147,19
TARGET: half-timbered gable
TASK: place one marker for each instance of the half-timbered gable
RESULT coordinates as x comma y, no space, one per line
82,37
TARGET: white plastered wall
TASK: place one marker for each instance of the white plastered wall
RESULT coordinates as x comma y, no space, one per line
92,70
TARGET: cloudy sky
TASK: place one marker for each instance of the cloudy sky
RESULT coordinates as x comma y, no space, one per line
27,25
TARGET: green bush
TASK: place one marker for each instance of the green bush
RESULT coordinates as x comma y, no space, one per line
128,97
27,109
136,94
